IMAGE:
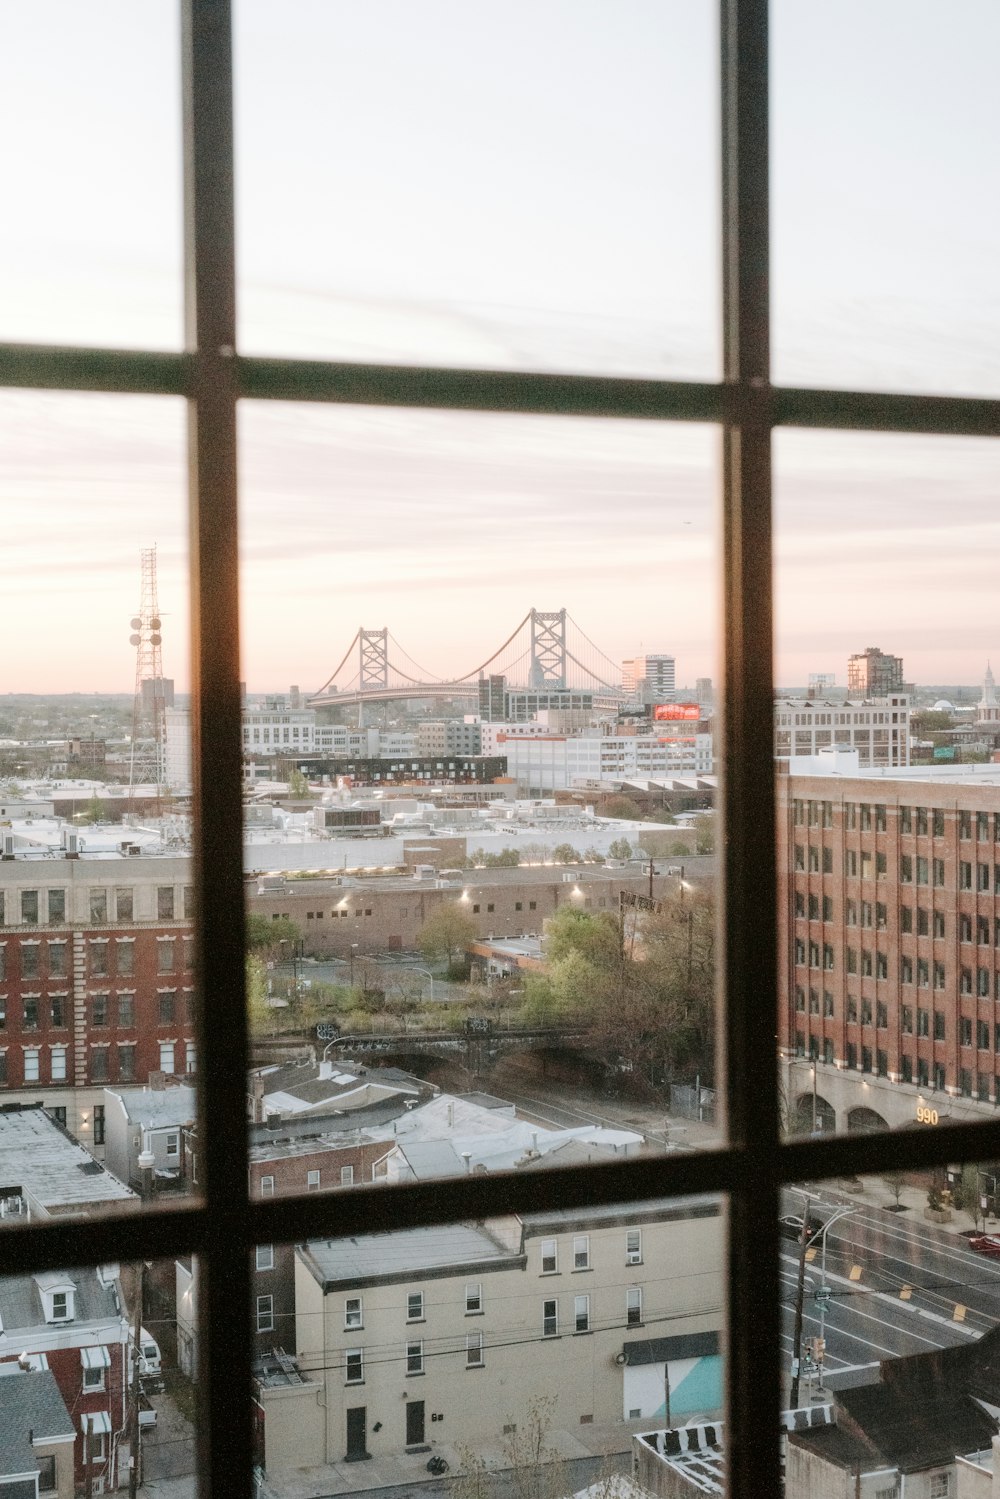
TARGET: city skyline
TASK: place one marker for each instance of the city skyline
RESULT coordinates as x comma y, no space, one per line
526,238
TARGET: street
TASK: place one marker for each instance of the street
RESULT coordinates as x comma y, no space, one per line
898,1285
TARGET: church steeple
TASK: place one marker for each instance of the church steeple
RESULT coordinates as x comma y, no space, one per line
988,711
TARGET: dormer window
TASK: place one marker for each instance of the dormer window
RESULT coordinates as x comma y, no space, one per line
57,1295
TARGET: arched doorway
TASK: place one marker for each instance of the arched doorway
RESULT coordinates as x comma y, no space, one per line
825,1115
864,1121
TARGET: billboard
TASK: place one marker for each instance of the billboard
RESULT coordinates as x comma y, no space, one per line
672,712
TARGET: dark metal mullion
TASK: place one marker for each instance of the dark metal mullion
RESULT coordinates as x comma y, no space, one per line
136,372
749,895
224,1331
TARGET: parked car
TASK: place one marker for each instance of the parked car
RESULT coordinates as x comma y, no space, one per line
985,1244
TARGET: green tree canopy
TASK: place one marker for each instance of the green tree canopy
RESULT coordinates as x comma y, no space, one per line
622,806
298,786
447,934
264,935
620,848
565,853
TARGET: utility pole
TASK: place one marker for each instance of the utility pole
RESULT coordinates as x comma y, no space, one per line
134,1472
651,873
666,1392
799,1295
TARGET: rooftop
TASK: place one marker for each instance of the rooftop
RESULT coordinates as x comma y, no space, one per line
56,1175
403,1254
32,1411
157,1106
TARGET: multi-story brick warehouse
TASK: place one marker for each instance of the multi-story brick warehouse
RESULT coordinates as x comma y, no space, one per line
889,921
96,983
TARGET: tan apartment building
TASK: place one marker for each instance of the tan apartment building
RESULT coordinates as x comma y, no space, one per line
450,1334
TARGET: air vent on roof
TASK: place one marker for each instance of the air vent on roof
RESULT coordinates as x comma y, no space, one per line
90,1168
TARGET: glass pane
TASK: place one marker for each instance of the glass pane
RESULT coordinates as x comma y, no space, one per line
453,862
889,815
451,1350
885,233
96,984
504,186
90,1361
890,1316
92,240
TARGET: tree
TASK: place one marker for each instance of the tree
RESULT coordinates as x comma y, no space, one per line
264,936
446,934
535,853
95,809
565,853
260,1016
704,832
298,786
623,807
593,855
620,849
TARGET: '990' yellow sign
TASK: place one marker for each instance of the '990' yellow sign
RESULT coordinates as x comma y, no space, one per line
926,1116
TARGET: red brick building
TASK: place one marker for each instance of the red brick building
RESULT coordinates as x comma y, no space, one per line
74,1324
96,981
889,931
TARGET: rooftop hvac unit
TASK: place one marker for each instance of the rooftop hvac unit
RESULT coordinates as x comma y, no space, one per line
8,845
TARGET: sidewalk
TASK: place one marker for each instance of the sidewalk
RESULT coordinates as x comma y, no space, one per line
876,1192
402,1470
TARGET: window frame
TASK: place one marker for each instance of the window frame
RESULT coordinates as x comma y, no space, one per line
755,1161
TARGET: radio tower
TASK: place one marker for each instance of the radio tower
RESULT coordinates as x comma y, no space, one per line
146,759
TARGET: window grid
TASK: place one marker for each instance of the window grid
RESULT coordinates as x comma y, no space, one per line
754,1164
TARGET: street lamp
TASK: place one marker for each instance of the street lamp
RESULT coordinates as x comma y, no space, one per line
822,1294
416,968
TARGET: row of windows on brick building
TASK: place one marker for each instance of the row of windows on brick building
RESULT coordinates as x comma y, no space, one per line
50,1064
41,1012
919,821
858,864
106,958
25,907
913,1021
865,963
985,1086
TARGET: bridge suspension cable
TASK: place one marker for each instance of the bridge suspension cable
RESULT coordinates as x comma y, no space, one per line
425,675
478,670
615,666
347,656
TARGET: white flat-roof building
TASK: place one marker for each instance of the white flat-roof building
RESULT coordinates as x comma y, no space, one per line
878,728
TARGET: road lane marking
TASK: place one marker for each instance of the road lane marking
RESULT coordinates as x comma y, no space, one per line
891,1300
959,1312
905,1292
810,1255
855,1272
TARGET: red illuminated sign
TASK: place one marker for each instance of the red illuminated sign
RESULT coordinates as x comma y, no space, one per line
671,712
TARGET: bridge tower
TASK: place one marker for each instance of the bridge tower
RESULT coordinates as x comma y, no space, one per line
548,648
373,652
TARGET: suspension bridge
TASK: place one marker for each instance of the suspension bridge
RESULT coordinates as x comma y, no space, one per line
547,652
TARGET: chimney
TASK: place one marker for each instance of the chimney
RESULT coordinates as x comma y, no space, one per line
467,1158
157,1082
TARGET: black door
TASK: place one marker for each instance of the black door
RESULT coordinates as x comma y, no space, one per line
414,1423
357,1425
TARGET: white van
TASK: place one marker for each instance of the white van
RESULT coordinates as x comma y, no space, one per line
148,1361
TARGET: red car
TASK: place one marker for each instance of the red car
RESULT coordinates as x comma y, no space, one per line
985,1244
